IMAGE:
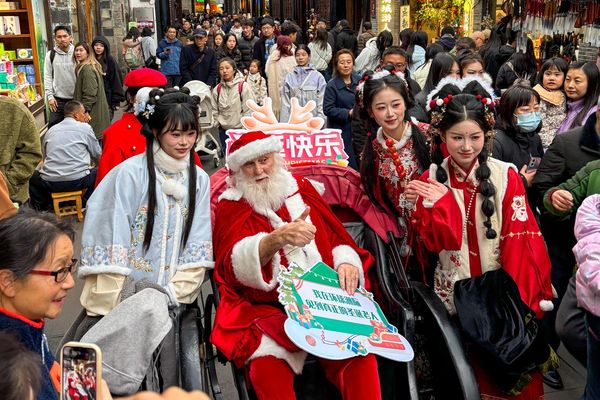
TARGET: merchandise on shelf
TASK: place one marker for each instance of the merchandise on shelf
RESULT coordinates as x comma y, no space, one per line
10,25
10,5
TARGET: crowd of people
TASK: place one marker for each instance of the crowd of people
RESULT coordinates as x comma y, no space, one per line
487,156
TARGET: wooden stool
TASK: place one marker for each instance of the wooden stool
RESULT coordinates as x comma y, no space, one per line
62,197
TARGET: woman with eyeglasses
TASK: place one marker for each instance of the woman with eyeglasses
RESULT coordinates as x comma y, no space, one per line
36,267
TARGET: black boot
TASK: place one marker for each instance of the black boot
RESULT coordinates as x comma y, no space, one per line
553,379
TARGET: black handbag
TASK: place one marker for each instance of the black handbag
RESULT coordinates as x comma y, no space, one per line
151,62
501,326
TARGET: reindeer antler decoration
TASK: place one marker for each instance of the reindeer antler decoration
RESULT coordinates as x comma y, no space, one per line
300,119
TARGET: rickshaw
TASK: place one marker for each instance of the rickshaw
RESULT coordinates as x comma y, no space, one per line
409,304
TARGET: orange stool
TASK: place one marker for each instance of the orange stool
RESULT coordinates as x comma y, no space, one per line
70,209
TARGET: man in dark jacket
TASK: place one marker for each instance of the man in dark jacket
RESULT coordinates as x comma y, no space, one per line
198,61
186,33
568,153
447,39
247,42
262,48
366,35
346,38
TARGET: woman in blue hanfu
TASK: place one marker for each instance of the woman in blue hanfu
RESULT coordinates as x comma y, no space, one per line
149,219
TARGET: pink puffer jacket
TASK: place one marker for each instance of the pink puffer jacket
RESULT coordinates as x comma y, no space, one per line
587,253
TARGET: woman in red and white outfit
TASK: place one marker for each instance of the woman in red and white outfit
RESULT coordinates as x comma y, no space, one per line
473,211
397,153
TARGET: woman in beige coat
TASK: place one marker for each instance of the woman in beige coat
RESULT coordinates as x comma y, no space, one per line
230,97
279,64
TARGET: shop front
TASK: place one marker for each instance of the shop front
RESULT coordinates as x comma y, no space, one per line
22,50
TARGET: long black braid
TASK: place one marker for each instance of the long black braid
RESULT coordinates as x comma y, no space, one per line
467,105
171,109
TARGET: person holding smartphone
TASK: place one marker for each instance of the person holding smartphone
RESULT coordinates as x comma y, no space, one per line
36,266
169,52
516,138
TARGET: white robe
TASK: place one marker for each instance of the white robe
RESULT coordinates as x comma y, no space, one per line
113,234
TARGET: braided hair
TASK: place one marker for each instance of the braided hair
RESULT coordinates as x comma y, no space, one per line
171,109
368,168
466,105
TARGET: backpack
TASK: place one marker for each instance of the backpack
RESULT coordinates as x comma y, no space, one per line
131,59
220,87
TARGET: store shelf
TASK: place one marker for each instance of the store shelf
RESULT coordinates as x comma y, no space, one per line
22,60
13,11
23,35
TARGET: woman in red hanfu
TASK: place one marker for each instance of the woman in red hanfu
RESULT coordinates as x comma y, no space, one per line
397,153
472,210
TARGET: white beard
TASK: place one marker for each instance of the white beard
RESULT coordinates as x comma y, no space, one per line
269,195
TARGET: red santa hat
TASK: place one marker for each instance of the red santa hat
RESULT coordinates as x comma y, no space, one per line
145,77
250,146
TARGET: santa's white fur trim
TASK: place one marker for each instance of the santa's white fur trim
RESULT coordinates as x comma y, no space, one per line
309,255
546,305
319,186
173,188
346,254
86,270
232,194
245,260
268,347
252,150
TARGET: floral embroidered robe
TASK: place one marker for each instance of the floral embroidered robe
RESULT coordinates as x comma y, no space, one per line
518,248
113,235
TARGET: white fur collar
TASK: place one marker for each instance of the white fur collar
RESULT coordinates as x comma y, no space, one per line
166,162
400,143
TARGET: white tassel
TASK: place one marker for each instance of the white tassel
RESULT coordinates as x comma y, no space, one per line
546,305
173,188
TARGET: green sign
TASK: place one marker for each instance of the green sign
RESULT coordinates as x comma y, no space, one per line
325,321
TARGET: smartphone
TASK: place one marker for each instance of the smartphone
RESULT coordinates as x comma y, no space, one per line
533,164
81,371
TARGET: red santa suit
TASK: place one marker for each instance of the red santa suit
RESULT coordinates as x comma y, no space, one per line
453,227
249,319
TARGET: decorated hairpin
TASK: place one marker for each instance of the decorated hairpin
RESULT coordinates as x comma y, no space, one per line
148,111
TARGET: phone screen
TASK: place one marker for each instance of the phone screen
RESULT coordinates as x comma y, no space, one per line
78,373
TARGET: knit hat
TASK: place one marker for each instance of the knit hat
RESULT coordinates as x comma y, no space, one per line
250,146
145,77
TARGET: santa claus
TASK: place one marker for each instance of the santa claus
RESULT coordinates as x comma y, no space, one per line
265,220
